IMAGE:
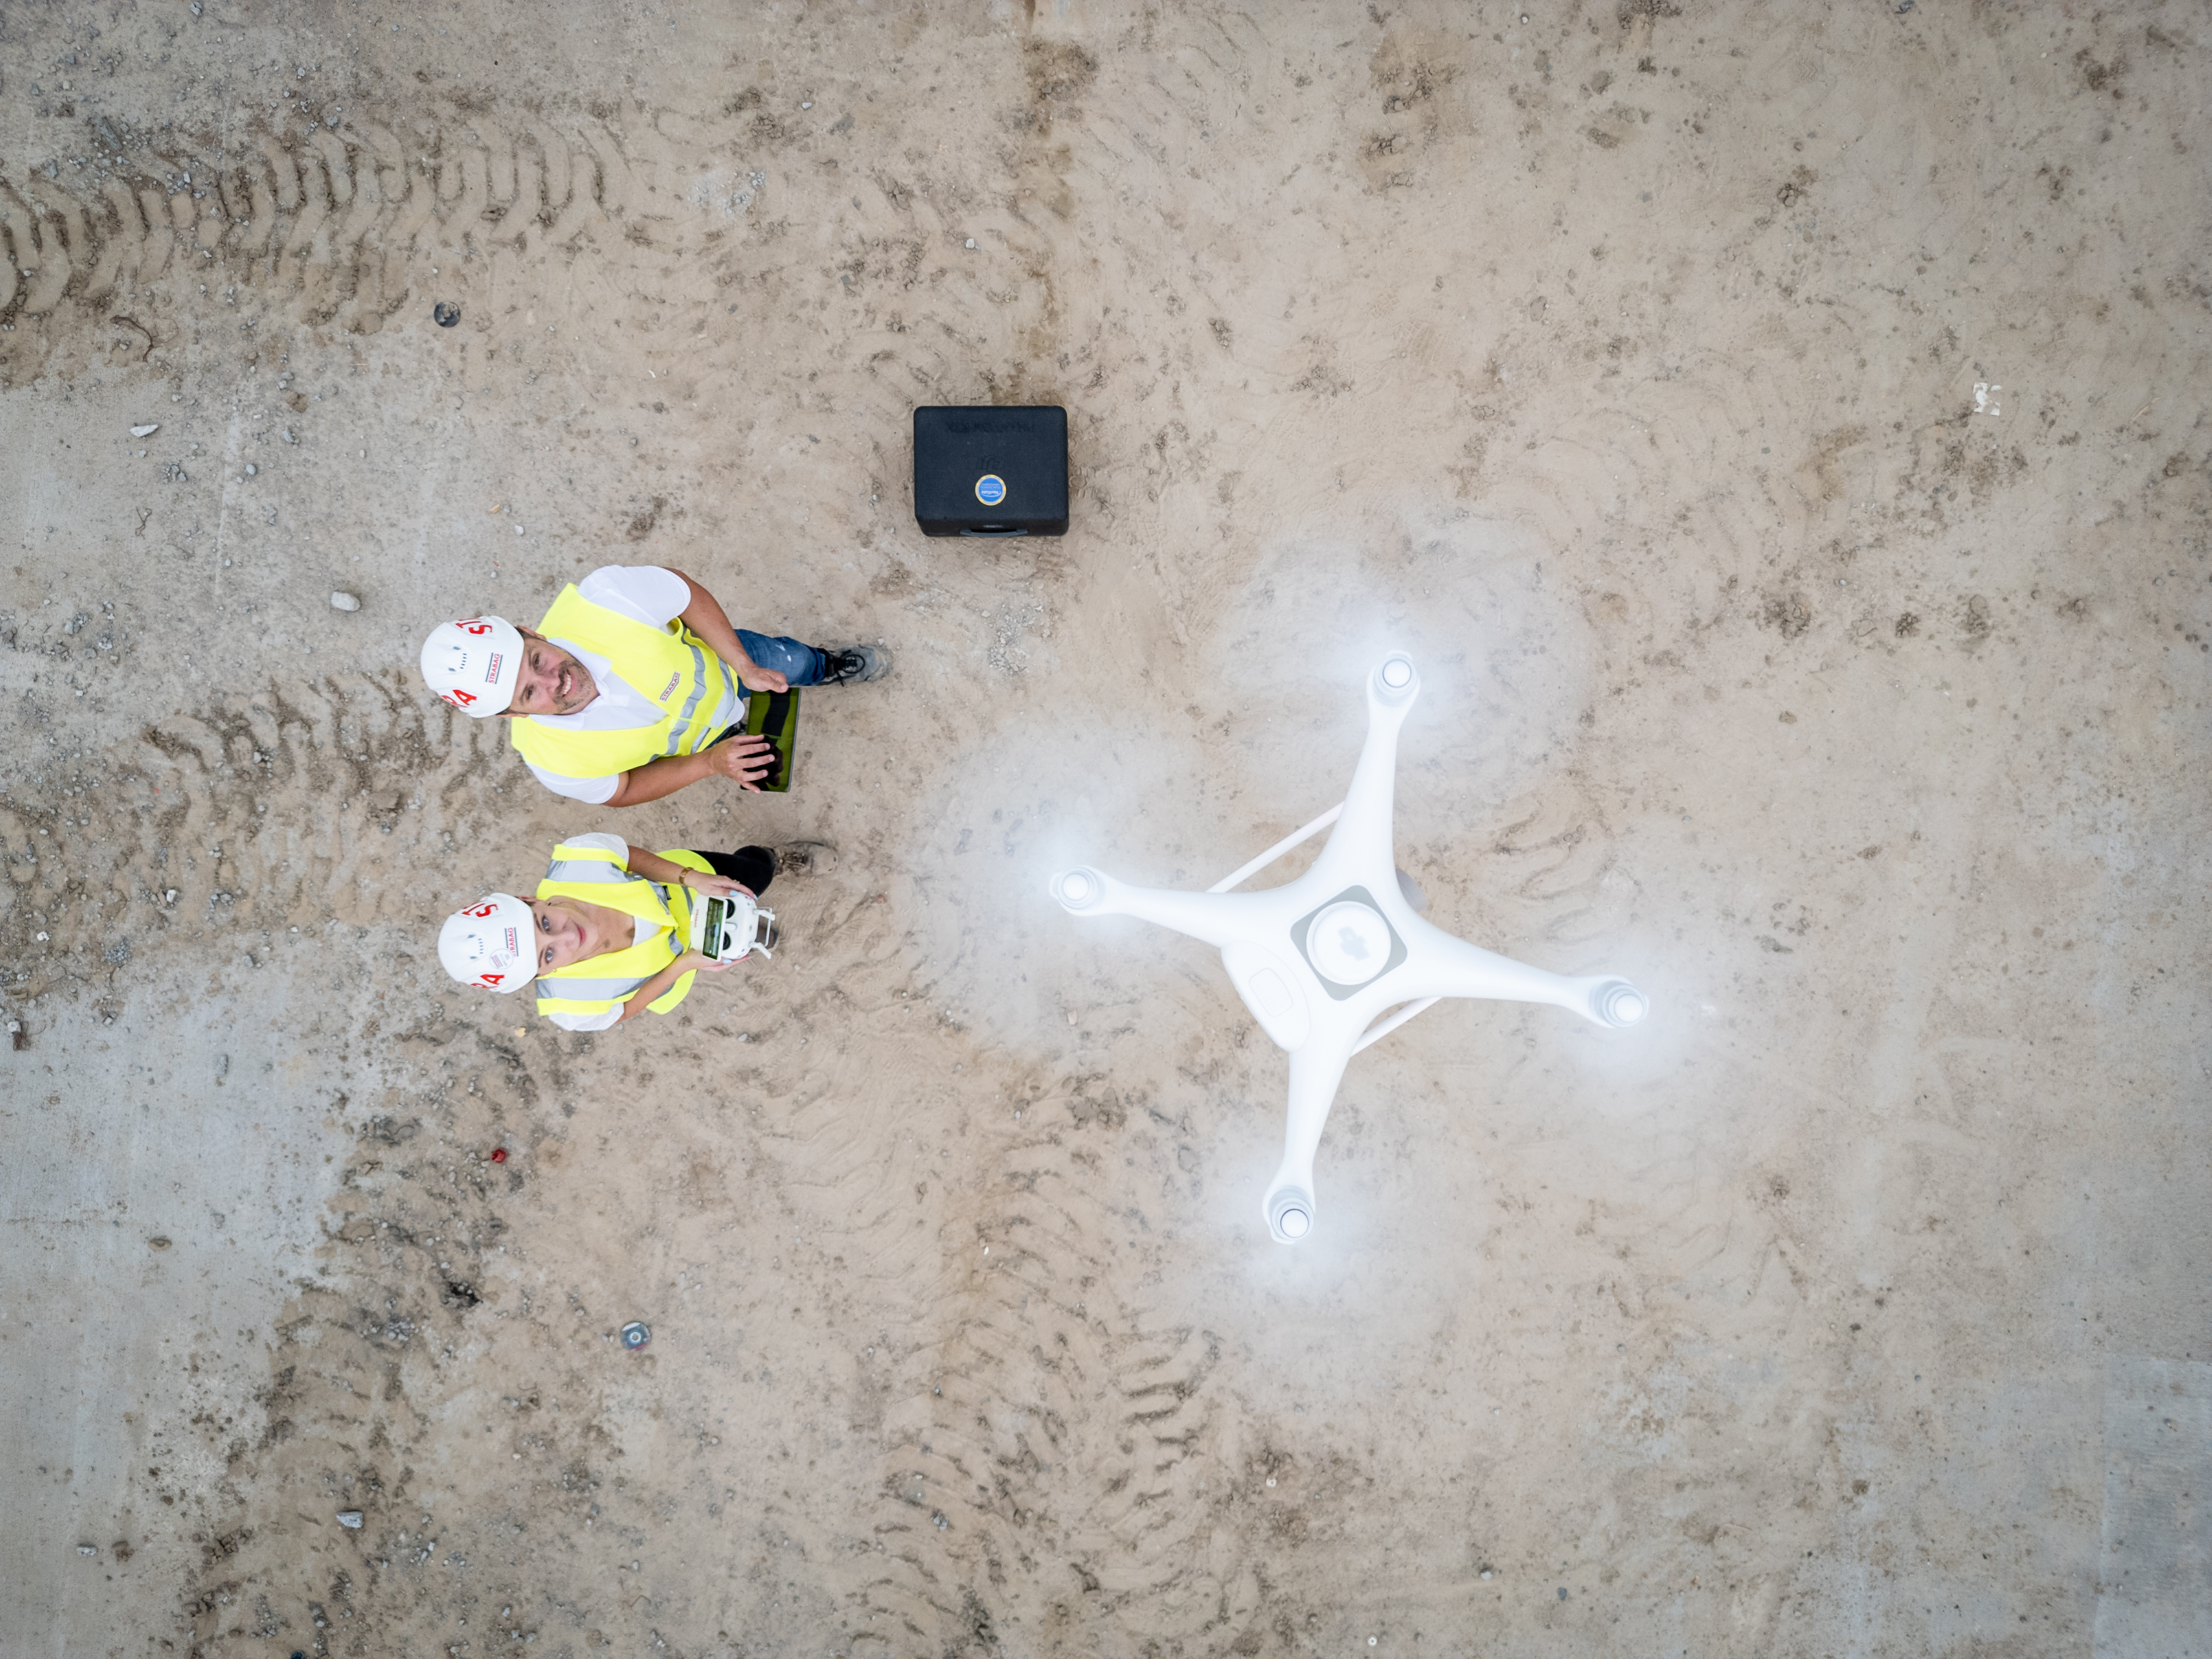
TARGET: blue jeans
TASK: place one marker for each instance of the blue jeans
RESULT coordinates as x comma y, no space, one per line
801,665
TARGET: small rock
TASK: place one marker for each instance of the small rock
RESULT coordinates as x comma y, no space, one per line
349,1519
344,602
159,1242
970,242
286,434
146,431
444,314
88,1549
251,470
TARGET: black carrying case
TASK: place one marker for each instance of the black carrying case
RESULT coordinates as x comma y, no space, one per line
991,470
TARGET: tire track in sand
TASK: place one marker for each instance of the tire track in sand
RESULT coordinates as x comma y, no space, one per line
1048,1444
301,802
329,229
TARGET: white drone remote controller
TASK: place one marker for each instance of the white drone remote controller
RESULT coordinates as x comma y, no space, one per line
730,929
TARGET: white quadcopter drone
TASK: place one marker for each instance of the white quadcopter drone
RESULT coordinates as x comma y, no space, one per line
1319,959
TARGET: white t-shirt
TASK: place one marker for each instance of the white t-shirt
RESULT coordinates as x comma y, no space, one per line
645,594
641,930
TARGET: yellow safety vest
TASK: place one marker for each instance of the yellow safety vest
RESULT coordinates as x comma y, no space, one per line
671,665
600,983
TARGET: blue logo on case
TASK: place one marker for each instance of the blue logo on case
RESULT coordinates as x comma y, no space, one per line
990,489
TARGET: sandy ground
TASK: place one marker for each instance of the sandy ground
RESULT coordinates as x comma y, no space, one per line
1779,432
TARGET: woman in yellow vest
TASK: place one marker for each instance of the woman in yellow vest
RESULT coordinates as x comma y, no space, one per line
607,937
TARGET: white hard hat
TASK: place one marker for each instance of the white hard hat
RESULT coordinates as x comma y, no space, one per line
492,943
474,663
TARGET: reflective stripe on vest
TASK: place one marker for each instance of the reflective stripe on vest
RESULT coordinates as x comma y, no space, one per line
600,983
691,701
671,666
582,864
586,996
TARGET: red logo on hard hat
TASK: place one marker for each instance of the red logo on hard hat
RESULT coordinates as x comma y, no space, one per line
490,979
482,911
460,698
491,674
474,625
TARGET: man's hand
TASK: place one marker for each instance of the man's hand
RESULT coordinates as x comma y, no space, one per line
705,617
742,759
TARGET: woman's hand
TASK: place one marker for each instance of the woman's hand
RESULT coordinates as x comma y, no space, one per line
715,886
640,1000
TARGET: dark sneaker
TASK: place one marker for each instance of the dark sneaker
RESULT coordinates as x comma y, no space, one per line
804,858
854,664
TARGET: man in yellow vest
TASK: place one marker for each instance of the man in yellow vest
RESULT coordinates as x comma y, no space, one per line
608,936
626,688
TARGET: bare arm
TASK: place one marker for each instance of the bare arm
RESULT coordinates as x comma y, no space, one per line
705,616
656,988
740,759
669,874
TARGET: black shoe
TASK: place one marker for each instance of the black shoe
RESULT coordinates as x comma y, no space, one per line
854,664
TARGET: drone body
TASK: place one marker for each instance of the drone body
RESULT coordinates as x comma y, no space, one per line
1319,959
